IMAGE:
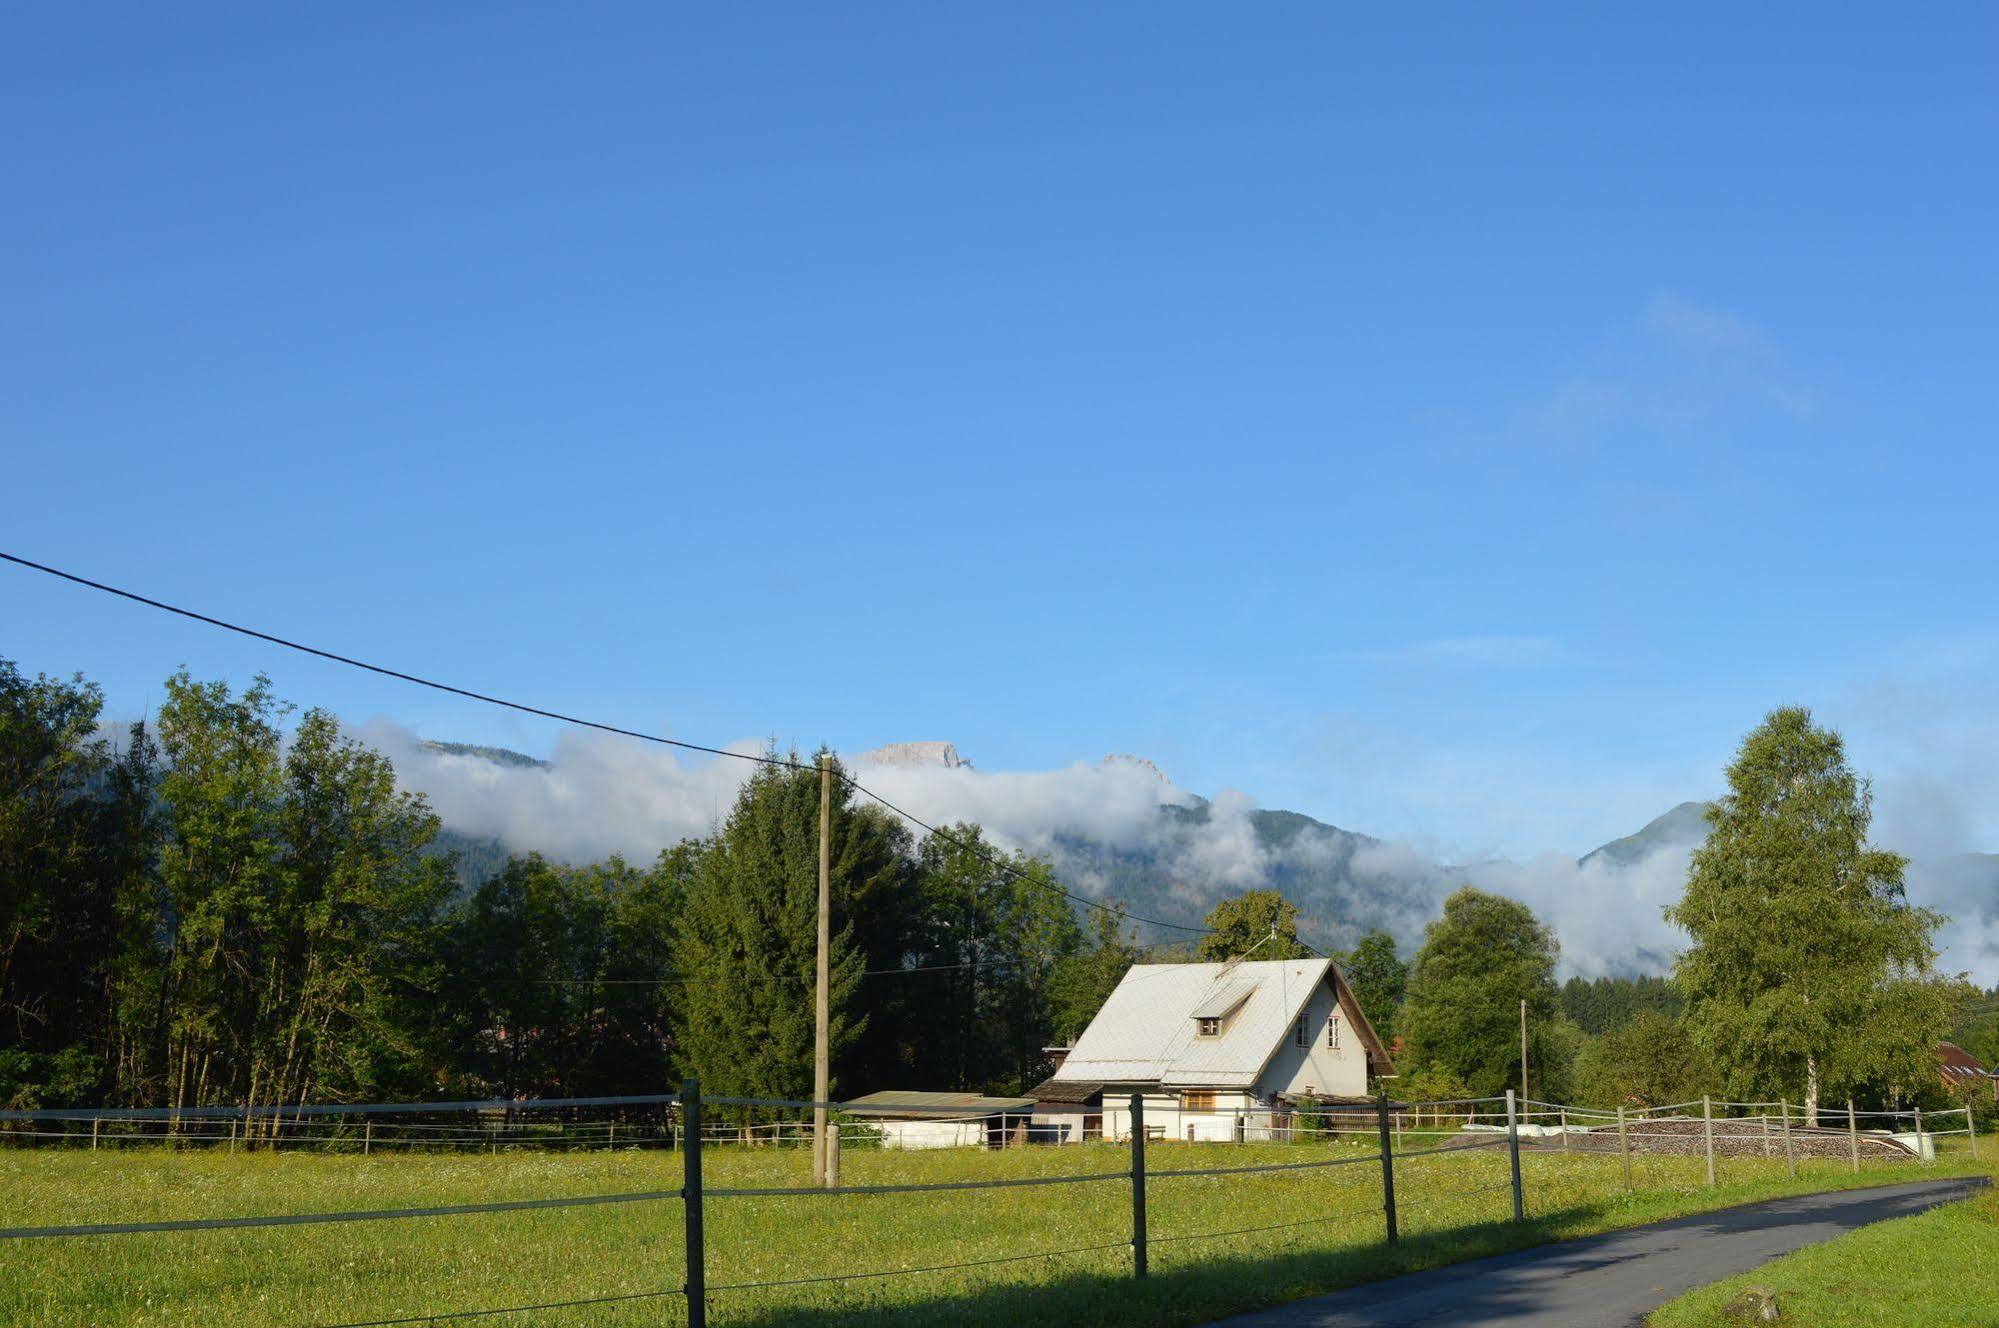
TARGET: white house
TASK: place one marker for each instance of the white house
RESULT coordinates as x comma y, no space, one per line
1218,1052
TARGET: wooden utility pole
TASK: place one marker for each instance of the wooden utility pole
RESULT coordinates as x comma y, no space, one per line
1523,1055
822,1011
1707,1134
1624,1145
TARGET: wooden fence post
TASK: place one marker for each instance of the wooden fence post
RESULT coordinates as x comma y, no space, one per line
367,1134
1707,1134
1790,1150
690,1203
1513,1151
1970,1130
1387,1166
95,1121
1852,1135
1919,1137
1624,1146
832,1151
1137,1185
1565,1129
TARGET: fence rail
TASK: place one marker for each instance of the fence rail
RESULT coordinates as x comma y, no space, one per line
1720,1130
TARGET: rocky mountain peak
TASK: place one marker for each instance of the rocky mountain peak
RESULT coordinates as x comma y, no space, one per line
913,755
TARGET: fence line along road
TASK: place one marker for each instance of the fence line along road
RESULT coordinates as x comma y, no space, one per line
1474,1125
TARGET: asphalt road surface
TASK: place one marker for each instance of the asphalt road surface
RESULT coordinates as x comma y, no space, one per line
1609,1281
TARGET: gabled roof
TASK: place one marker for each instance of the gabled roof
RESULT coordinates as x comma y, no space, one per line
1146,1031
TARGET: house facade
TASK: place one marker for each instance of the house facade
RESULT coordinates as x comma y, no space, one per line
1218,1052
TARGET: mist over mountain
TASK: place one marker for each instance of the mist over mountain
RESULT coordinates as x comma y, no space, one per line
1121,829
1682,827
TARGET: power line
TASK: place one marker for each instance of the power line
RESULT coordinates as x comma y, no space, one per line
677,980
1001,865
252,632
979,851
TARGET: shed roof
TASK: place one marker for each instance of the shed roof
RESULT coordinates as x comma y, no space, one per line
1146,1032
1069,1092
1956,1060
933,1106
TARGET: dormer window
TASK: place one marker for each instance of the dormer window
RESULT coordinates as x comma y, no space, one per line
1219,1006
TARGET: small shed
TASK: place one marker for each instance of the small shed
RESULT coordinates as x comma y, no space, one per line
1067,1111
940,1120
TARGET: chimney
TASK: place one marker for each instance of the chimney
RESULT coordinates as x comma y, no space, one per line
1055,1055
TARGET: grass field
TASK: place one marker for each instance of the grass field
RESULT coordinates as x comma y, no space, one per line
1453,1206
1937,1270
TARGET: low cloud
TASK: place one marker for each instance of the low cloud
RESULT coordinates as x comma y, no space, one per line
1105,825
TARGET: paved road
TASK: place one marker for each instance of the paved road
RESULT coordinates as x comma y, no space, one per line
1609,1281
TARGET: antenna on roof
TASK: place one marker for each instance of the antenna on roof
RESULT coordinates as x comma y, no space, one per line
1228,965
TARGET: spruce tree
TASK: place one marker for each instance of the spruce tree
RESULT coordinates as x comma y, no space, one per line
745,941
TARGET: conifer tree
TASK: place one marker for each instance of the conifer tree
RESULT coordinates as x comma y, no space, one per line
745,942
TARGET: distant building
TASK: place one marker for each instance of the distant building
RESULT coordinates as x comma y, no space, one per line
1217,1051
1963,1073
940,1120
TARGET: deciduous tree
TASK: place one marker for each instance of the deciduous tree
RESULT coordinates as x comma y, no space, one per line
1479,960
1262,920
1809,974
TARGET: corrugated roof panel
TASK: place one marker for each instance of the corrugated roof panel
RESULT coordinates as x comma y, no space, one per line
1146,1033
1221,1002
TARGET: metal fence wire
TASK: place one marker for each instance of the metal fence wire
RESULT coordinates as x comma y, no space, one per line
676,1121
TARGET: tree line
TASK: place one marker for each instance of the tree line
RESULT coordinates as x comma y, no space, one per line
235,903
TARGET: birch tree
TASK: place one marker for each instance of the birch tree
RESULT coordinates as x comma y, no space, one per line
1809,974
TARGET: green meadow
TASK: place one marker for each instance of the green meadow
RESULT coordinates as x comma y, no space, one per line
1218,1243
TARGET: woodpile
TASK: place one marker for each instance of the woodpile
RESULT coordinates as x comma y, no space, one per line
1734,1136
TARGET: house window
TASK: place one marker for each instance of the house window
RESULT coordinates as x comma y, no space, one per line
1301,1034
1333,1031
1208,1027
1198,1099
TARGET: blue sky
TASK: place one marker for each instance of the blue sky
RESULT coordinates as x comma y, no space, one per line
1460,428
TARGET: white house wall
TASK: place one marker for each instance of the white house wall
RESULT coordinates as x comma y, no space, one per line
1314,1068
1237,1117
914,1134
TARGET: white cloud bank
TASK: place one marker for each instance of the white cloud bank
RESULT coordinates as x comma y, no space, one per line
600,795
